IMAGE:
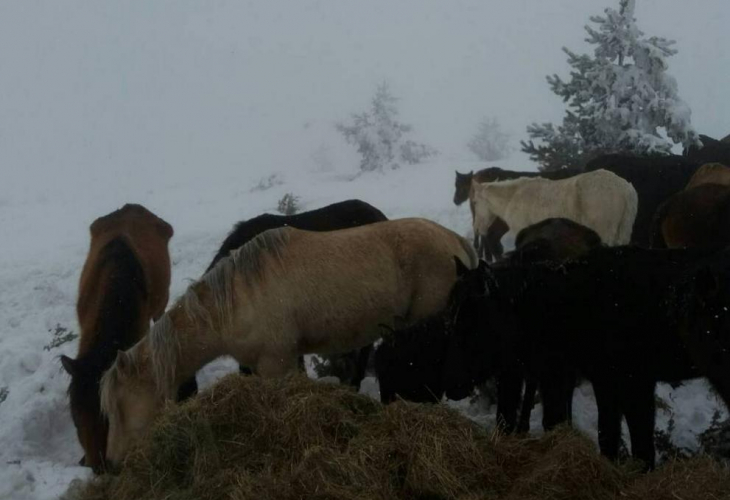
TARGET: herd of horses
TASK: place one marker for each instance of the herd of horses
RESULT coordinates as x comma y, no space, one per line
620,275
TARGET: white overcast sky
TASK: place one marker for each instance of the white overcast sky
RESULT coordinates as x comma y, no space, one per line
189,88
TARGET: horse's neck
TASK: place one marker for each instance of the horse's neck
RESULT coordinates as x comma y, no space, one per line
196,345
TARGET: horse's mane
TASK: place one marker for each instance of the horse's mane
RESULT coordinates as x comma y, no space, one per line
213,312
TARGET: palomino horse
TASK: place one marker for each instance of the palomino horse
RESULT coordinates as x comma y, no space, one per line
124,284
488,244
599,200
285,293
348,367
710,173
698,217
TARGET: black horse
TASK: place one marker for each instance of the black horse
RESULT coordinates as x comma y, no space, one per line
655,179
623,317
349,367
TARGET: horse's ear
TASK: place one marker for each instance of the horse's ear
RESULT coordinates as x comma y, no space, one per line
122,363
69,365
461,269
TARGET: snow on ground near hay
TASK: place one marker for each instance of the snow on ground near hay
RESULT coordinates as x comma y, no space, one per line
41,260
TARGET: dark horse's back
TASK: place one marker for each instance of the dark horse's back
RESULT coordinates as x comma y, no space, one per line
655,179
342,215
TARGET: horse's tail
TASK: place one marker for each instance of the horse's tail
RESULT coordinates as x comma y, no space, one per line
626,224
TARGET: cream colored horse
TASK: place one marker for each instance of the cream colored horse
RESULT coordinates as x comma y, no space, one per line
600,200
287,292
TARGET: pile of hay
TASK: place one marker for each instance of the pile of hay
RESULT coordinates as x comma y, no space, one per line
248,438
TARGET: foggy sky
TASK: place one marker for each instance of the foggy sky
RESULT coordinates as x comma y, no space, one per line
185,89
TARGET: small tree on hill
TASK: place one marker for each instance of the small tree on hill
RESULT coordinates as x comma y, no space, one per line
379,136
618,99
489,143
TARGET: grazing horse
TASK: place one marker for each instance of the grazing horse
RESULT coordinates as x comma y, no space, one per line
599,200
696,217
655,179
348,367
124,283
710,173
408,361
262,306
488,244
624,317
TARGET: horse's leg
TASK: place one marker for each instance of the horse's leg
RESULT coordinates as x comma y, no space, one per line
528,402
609,417
557,400
638,405
361,365
188,389
494,238
509,392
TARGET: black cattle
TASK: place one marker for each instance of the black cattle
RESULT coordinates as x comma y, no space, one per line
623,317
348,367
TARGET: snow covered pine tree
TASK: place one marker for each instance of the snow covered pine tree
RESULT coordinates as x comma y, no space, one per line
618,99
378,135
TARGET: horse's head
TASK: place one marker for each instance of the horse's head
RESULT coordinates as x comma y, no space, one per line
130,400
91,426
462,187
467,354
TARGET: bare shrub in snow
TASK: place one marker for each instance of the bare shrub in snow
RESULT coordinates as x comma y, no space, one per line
288,204
379,136
61,335
489,143
618,100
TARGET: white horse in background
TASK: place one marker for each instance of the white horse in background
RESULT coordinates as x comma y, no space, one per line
600,200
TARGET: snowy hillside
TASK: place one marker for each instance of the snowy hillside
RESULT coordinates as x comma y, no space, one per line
40,262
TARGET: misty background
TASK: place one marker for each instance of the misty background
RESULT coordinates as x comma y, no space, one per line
132,94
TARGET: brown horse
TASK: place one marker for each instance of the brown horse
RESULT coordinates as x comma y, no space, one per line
286,292
554,240
124,284
710,173
698,217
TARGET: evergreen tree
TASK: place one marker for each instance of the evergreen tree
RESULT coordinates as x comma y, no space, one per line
379,136
618,99
489,143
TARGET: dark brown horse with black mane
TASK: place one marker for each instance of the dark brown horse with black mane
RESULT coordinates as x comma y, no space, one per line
124,284
348,367
489,245
623,317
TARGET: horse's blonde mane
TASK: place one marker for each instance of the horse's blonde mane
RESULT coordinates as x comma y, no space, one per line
213,312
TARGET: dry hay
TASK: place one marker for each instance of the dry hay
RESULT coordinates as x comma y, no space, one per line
249,438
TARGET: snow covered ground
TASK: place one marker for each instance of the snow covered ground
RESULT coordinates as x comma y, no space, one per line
46,239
